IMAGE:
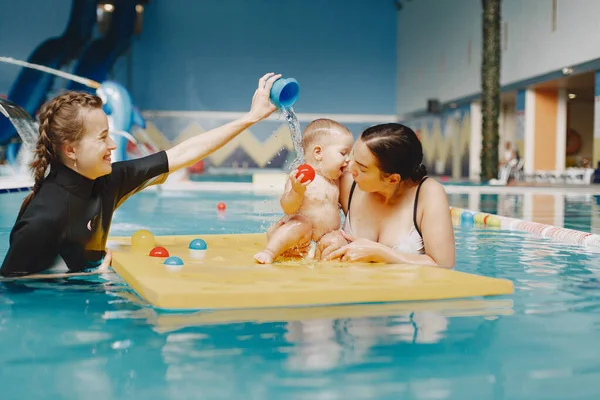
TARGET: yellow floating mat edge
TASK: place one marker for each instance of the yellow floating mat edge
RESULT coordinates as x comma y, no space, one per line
229,278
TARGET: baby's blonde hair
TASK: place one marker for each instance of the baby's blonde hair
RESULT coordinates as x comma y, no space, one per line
320,127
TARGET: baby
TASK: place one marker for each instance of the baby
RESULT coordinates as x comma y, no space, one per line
312,208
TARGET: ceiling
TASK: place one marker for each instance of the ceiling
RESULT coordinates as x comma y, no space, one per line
581,85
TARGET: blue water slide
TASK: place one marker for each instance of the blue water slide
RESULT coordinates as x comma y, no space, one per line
96,62
100,55
31,87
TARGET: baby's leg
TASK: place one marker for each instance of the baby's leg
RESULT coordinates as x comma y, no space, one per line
276,226
296,229
299,250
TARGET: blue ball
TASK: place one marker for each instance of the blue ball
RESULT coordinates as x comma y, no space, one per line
198,244
173,260
467,218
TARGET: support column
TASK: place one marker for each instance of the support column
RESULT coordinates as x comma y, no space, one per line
596,121
546,110
453,125
561,131
529,131
475,142
541,117
520,123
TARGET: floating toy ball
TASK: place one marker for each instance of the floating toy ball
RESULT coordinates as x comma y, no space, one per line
466,218
198,244
173,263
221,206
142,240
173,260
308,171
493,221
198,249
159,251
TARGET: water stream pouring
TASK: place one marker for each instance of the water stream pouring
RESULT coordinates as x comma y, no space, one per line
284,94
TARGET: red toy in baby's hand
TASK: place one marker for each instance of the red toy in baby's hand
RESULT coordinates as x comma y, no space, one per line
308,171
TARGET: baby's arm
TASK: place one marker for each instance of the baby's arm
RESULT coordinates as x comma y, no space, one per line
292,198
291,201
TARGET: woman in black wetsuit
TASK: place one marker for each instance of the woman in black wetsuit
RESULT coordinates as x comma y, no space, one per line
69,212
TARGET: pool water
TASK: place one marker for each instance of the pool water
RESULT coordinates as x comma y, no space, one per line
92,338
578,211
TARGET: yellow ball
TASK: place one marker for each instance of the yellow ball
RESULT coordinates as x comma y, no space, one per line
142,241
479,218
493,221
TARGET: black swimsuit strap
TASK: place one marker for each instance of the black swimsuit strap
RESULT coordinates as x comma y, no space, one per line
415,209
350,196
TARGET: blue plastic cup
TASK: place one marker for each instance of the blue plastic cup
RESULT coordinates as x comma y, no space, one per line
285,92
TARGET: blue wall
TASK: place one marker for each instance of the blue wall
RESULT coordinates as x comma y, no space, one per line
23,26
209,54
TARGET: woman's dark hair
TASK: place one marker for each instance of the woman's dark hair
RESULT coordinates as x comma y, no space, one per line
398,150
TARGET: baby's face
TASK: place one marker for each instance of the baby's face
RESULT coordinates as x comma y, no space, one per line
336,154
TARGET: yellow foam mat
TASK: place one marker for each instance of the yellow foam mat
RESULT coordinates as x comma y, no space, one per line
228,277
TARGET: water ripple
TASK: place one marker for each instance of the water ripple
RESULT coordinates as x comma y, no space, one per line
537,343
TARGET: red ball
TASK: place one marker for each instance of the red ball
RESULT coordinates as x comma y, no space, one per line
221,206
308,171
159,251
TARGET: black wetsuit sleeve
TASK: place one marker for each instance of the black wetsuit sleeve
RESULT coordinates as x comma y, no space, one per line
33,247
78,259
131,176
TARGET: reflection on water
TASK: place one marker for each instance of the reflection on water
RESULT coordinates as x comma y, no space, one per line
93,338
538,341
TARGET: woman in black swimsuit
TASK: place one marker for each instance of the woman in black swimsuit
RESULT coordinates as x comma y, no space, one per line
398,215
69,212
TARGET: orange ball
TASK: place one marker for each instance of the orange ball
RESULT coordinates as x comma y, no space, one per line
221,206
308,171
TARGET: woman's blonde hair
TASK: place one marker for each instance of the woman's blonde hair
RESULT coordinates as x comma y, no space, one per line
61,121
